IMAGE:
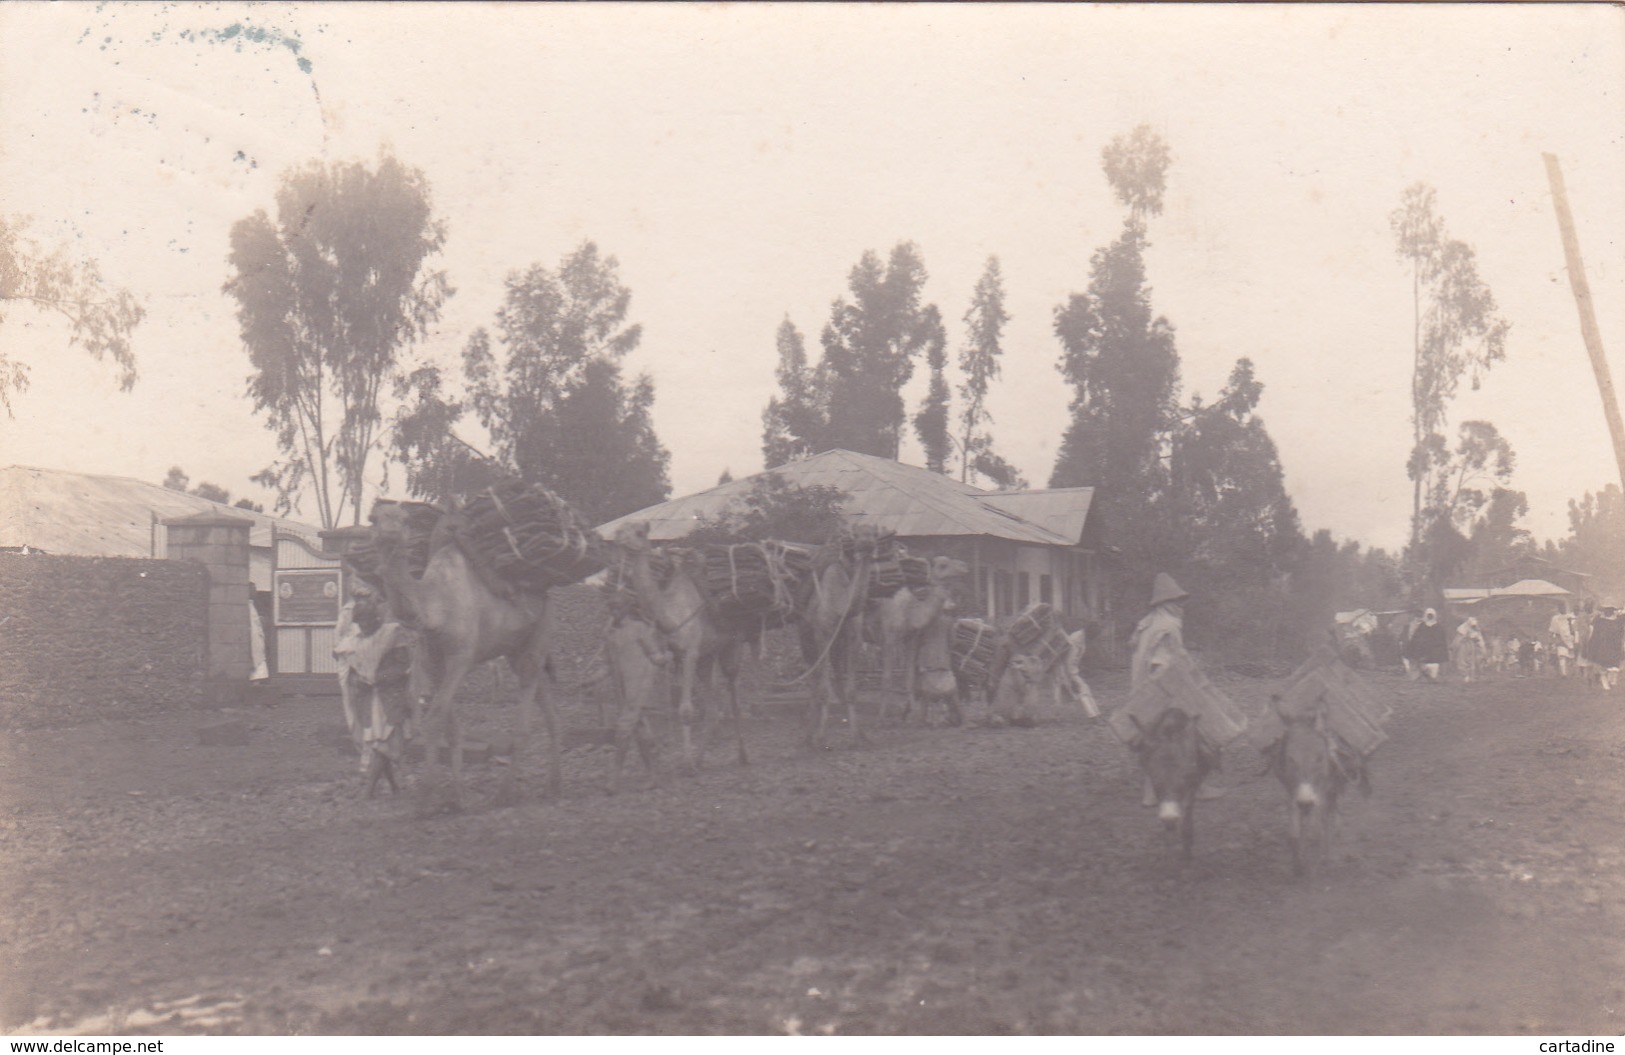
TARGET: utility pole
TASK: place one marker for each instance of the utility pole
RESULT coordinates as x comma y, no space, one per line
1588,314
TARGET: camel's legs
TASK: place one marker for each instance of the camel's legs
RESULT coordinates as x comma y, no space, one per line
530,666
729,661
685,706
911,664
888,659
441,721
846,651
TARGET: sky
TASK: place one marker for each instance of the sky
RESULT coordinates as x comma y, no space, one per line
737,160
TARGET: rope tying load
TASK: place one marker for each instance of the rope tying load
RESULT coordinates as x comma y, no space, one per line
971,648
1038,632
529,536
754,579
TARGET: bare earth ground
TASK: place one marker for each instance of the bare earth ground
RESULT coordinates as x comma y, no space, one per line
934,881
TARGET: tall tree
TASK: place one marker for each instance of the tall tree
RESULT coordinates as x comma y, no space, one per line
931,422
1596,539
100,318
1456,329
329,294
1228,487
1468,486
796,421
1120,359
870,344
979,362
550,394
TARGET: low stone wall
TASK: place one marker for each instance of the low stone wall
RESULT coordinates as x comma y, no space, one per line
83,638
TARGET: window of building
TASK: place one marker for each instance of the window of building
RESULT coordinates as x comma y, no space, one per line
1023,591
1046,589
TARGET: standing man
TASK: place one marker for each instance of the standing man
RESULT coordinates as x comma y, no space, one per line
1607,644
1468,648
1429,650
1160,636
1561,629
1158,641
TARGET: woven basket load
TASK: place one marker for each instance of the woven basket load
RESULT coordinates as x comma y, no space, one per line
529,536
1354,714
972,647
752,579
1181,685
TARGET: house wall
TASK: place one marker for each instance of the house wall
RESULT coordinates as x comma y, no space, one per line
1008,576
86,638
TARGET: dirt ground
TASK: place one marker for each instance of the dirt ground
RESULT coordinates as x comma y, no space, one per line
935,880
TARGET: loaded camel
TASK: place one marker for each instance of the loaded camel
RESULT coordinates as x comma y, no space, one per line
904,618
463,622
829,620
680,611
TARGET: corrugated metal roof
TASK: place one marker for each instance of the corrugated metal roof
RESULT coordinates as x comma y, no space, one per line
1531,588
892,496
1521,588
1063,510
105,516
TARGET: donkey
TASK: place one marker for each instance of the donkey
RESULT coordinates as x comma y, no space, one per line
1176,760
1314,766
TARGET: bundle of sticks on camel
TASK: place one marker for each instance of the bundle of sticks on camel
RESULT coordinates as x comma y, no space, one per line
972,648
894,568
529,536
754,579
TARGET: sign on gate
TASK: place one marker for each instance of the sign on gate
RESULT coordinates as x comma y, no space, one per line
308,597
307,590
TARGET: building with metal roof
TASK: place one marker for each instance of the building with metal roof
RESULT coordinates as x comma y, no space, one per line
89,515
1021,546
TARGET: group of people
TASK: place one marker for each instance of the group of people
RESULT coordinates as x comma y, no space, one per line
1586,643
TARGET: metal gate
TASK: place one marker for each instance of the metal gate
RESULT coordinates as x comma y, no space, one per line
307,588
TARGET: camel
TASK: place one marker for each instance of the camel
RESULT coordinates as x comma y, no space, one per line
903,618
686,620
464,622
829,619
1029,684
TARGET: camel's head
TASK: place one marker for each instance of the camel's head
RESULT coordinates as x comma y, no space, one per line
1029,668
389,524
948,569
633,536
865,541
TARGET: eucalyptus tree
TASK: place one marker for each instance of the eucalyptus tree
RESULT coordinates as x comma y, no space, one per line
330,292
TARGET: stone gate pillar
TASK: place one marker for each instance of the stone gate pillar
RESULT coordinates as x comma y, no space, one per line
220,542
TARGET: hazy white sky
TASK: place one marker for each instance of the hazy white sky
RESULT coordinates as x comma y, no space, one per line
738,160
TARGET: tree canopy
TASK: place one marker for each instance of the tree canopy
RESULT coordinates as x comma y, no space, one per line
777,509
979,363
329,293
1456,330
101,319
853,398
550,393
